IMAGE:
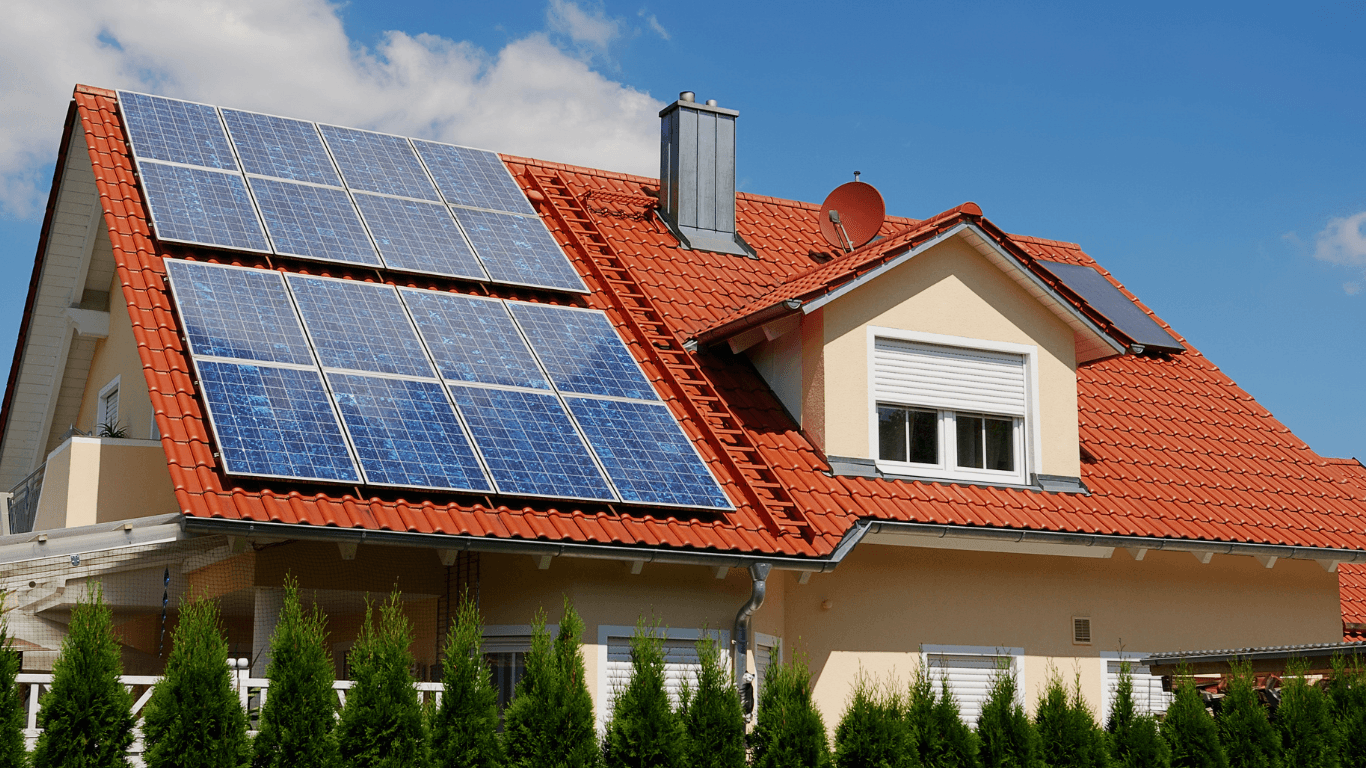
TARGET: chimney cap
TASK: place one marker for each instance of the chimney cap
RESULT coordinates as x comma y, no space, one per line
687,96
688,100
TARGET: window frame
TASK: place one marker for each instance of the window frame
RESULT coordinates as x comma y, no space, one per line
1027,432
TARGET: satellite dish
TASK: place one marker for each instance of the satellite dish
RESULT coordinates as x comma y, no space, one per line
852,215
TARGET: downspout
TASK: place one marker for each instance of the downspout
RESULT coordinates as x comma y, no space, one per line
758,573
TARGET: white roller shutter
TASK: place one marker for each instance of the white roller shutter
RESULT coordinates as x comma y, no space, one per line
951,378
1149,698
680,663
969,679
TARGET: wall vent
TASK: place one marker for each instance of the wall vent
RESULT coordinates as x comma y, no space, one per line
1081,630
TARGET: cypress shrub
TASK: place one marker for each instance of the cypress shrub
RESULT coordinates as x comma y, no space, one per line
1068,734
381,725
1347,692
942,739
1133,738
643,731
1189,730
299,716
465,725
1305,722
194,718
549,723
87,715
1246,732
874,731
1008,738
789,732
713,722
12,753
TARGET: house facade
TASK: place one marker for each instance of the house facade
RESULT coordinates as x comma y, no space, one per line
950,445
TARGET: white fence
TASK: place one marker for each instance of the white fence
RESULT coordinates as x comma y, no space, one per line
252,691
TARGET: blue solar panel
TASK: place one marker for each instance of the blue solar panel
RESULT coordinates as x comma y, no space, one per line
240,313
275,421
359,326
175,131
518,249
529,444
378,162
473,339
418,237
582,351
200,206
1103,296
473,177
313,222
646,454
406,433
280,147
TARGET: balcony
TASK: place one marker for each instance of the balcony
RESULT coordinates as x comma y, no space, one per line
89,480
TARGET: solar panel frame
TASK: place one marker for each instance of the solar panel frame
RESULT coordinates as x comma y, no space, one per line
219,156
378,211
447,162
297,218
569,358
313,157
172,214
383,350
435,314
262,292
1105,298
351,159
616,455
449,433
495,238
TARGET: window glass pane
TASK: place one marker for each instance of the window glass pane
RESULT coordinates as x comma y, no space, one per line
924,437
507,669
1000,444
891,433
969,441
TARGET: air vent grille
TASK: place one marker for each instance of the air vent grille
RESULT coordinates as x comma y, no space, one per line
1081,630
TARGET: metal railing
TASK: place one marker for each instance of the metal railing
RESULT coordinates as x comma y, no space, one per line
23,502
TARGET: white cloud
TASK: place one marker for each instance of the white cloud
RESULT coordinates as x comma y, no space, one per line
1343,241
1351,288
654,24
590,29
293,57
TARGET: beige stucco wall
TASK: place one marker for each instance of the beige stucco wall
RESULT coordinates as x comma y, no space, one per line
950,290
98,480
118,356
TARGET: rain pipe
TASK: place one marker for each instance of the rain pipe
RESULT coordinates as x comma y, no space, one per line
758,573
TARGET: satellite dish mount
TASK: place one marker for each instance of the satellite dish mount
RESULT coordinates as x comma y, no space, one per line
852,215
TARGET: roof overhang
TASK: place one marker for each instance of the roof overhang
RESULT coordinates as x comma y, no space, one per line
1317,657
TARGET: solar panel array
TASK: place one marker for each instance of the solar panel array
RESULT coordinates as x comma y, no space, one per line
322,379
252,182
1109,301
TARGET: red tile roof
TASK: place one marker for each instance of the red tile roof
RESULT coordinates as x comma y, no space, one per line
1176,449
1352,577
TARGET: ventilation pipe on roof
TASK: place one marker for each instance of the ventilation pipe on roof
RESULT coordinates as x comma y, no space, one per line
697,175
758,573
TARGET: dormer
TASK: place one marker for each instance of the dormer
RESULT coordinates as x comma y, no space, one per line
941,353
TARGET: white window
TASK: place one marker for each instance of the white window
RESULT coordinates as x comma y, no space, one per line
970,671
108,407
768,650
942,408
680,661
1149,698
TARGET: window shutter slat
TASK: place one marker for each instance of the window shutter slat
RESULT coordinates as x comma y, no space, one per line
910,373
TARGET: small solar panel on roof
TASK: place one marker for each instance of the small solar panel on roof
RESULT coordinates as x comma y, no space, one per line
196,205
359,326
280,147
176,131
418,237
1105,298
313,222
473,177
237,313
582,351
378,162
518,249
473,339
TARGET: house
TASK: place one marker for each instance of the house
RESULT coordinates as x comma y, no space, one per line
253,346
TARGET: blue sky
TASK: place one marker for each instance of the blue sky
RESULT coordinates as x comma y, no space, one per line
1210,156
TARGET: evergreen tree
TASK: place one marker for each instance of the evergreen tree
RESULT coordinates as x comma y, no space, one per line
789,732
12,753
1189,730
643,731
549,723
1244,729
86,716
299,716
194,717
1068,734
942,739
713,723
1305,722
1008,738
465,726
1133,738
381,725
1347,692
874,731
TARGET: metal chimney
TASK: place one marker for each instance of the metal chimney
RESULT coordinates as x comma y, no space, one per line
697,175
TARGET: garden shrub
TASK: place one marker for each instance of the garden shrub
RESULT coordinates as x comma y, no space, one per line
465,725
942,739
1007,737
1068,734
713,722
874,731
790,732
1133,738
298,720
1189,730
1347,693
1245,730
549,723
643,730
1309,738
382,724
12,752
